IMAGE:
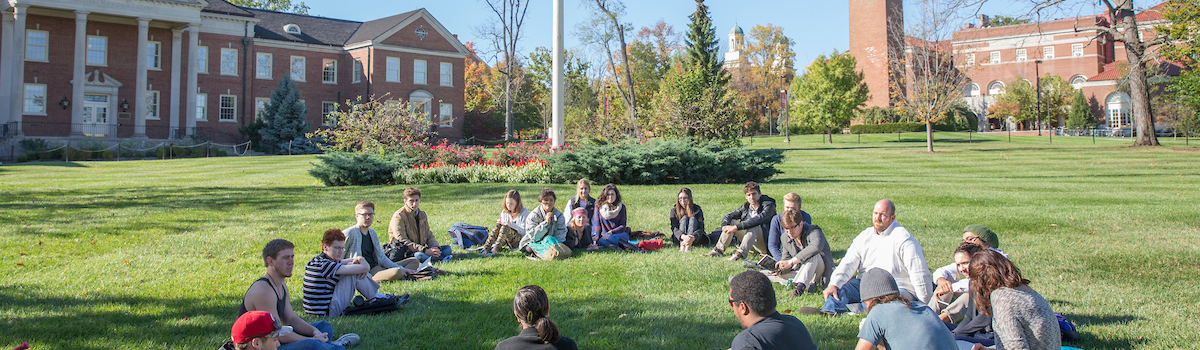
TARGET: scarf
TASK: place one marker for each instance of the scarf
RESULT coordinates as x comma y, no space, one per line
609,212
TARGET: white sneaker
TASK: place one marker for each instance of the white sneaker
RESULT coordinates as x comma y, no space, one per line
346,340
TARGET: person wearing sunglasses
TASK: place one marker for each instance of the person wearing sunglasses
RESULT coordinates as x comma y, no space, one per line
752,298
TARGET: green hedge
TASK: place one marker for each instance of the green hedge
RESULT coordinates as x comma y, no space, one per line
354,169
886,128
665,162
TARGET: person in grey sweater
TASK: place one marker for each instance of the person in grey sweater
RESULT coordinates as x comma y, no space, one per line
687,221
1021,318
806,260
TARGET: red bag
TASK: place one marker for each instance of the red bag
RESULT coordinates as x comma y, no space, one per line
651,244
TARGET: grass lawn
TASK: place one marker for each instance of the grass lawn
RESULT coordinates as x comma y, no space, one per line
157,254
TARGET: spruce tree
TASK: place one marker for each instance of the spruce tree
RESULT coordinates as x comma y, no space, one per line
702,46
1081,114
285,121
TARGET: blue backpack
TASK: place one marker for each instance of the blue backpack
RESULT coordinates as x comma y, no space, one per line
466,235
1067,328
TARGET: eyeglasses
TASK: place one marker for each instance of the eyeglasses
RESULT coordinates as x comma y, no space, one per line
972,239
369,215
337,248
734,301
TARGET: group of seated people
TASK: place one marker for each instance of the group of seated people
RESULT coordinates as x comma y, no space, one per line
979,301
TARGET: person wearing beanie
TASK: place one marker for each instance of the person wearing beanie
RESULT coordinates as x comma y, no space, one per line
753,301
256,330
886,245
982,236
895,321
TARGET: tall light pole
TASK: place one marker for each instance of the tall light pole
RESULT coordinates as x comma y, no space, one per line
783,108
1038,73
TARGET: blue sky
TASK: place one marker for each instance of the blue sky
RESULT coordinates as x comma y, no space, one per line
817,26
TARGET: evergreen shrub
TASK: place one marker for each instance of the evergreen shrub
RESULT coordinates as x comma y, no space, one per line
354,169
665,162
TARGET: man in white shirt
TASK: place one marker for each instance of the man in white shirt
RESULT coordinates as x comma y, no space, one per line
885,245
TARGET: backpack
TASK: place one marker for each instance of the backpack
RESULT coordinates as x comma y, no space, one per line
465,235
1069,333
558,251
396,251
375,305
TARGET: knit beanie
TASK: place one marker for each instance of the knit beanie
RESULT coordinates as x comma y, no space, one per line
877,282
985,235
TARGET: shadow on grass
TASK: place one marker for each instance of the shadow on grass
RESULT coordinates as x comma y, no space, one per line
1126,341
101,321
804,180
54,163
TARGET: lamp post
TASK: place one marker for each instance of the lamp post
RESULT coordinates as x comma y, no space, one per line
1038,73
783,109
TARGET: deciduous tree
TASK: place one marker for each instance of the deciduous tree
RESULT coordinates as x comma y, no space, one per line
504,34
298,8
829,92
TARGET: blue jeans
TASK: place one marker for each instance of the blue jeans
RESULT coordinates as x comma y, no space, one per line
848,293
313,344
446,254
611,241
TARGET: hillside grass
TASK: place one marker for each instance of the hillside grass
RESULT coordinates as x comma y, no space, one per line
157,254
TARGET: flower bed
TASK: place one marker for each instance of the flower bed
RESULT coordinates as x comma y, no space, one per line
526,171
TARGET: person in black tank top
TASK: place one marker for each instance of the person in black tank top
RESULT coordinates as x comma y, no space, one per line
279,260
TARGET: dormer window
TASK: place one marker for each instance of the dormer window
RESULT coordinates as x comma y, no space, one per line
292,29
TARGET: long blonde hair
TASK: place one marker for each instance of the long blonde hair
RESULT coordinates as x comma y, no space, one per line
680,211
504,203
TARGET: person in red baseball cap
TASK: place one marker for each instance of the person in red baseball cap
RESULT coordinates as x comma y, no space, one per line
256,330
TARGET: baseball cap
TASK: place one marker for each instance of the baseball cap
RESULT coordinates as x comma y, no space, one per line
257,324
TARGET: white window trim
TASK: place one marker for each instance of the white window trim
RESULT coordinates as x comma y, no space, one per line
1077,50
445,121
303,68
46,48
235,62
220,107
152,105
1048,52
970,59
356,70
421,78
325,65
202,54
88,50
25,97
325,121
387,71
258,68
1022,55
201,116
448,76
156,63
994,57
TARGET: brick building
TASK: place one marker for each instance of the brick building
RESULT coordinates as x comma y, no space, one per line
995,56
174,69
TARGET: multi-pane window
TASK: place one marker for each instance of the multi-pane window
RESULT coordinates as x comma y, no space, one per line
262,65
1048,52
97,50
298,68
972,90
393,69
995,88
201,106
419,72
260,106
447,74
152,104
446,115
327,108
202,59
329,71
37,44
1078,81
229,61
356,72
970,59
1076,50
1021,55
1118,110
154,55
228,110
995,57
35,98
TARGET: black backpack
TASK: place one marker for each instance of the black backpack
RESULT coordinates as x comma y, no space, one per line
375,305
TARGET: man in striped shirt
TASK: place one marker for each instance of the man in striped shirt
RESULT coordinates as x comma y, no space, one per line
330,282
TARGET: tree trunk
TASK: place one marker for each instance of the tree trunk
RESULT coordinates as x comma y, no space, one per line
929,135
1139,93
829,132
508,117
